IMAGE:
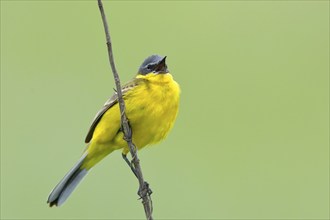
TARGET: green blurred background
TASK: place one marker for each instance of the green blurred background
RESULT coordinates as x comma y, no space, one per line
251,140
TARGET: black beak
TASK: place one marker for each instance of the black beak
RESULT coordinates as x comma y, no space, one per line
161,66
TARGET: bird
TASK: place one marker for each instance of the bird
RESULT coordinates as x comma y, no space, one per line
152,102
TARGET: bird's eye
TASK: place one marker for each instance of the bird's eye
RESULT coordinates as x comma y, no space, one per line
150,66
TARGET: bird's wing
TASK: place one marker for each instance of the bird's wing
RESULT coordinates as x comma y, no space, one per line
107,105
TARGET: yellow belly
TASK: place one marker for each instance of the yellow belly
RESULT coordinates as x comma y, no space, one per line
155,115
151,108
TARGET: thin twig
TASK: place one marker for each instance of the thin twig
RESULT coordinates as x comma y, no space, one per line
144,191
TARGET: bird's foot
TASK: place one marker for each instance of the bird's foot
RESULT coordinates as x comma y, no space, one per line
144,190
130,164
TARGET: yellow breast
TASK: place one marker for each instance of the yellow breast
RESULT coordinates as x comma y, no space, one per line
152,108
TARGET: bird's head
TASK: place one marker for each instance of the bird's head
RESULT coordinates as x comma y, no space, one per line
153,64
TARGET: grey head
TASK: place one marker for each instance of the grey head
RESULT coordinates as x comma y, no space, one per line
153,64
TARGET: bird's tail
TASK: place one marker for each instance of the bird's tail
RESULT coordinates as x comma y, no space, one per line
69,182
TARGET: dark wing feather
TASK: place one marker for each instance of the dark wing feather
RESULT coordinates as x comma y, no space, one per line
107,105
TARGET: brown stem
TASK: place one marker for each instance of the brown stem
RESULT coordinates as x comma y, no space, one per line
144,189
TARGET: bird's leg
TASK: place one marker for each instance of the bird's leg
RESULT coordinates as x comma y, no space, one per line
144,190
145,187
128,139
129,164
